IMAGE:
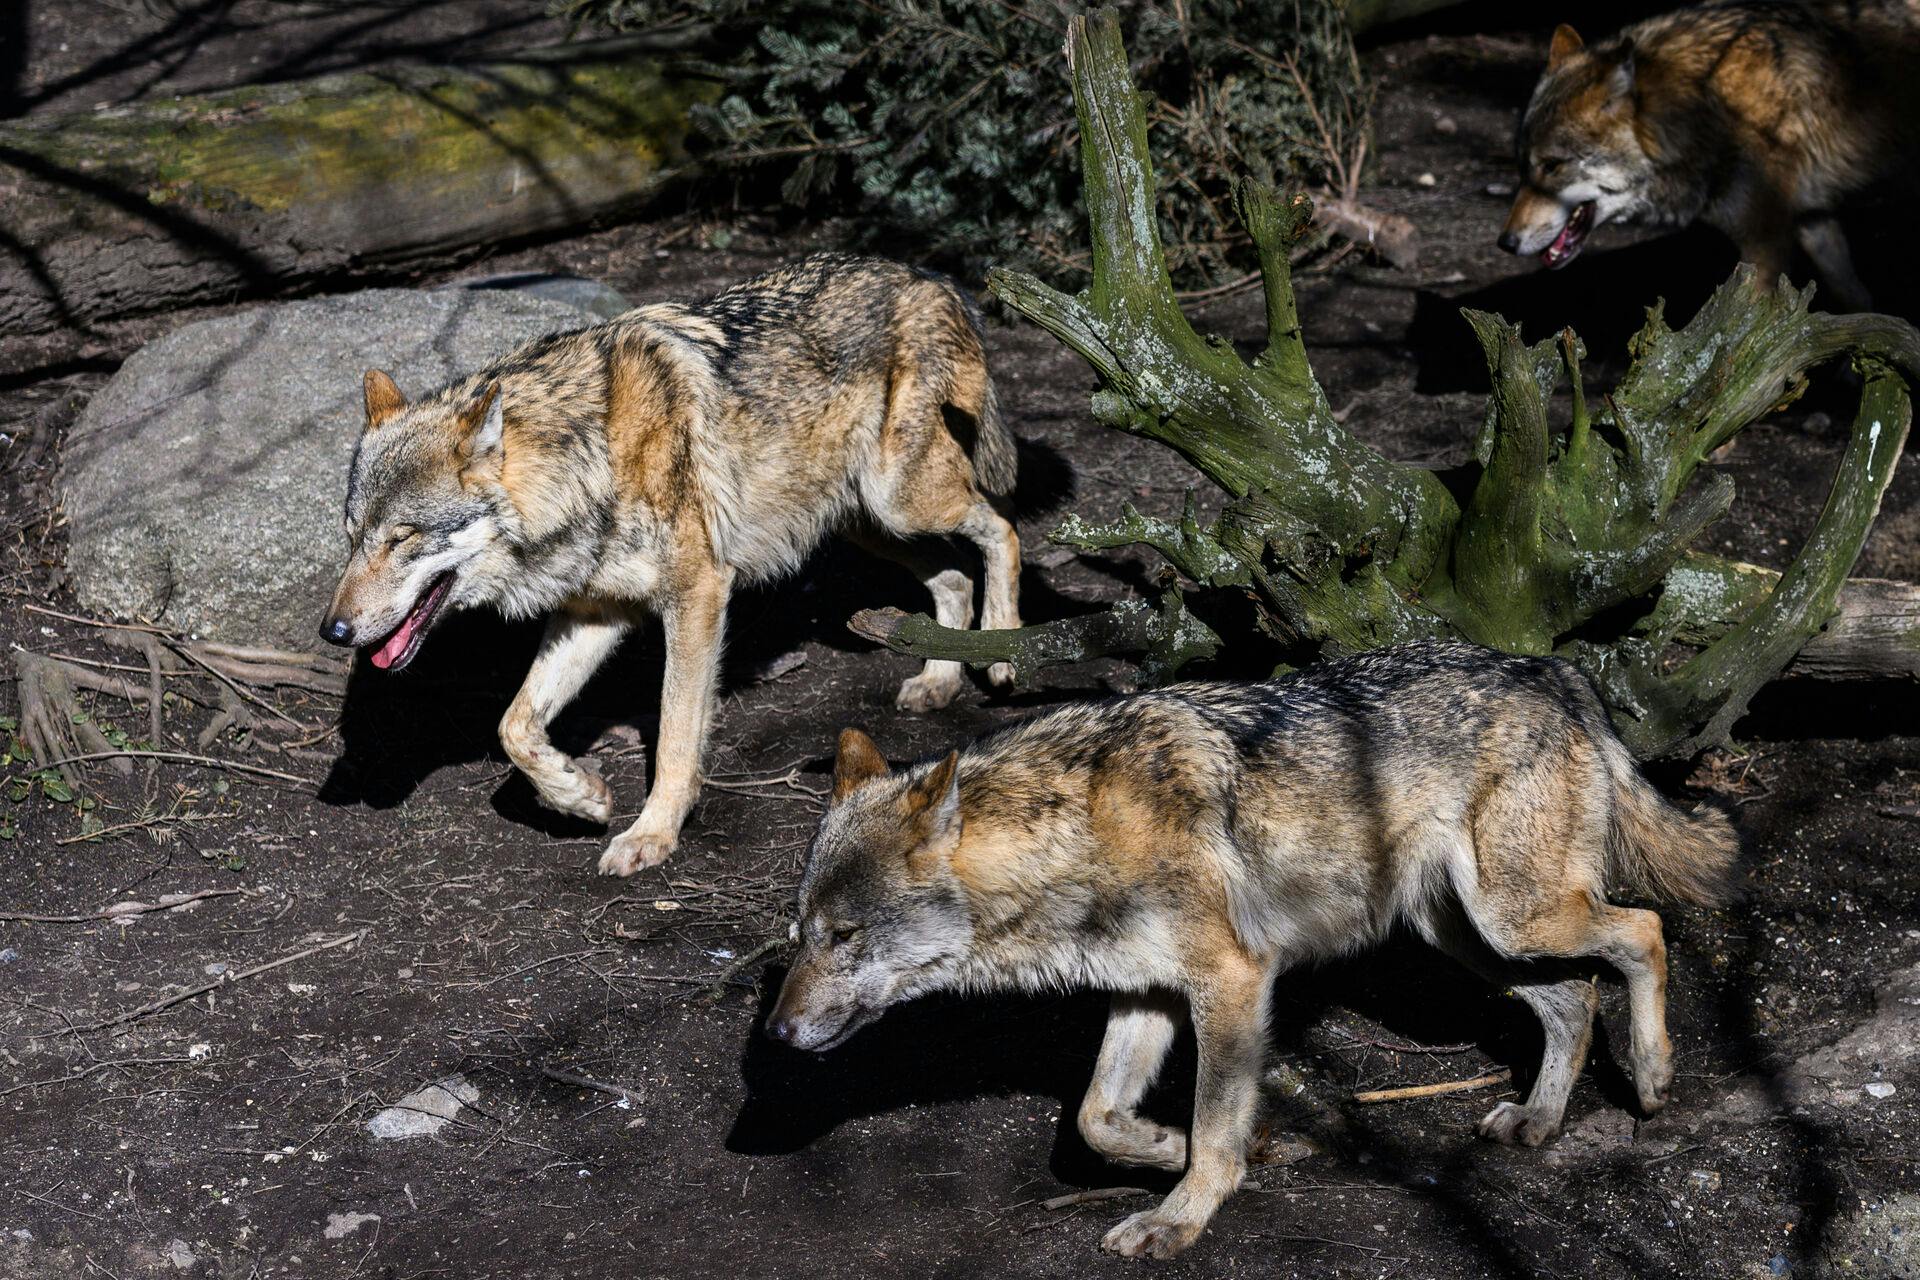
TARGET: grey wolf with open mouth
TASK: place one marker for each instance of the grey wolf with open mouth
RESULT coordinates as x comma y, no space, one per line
652,464
1757,117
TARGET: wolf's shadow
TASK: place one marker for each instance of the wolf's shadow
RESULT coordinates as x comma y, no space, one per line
945,1049
399,729
1603,295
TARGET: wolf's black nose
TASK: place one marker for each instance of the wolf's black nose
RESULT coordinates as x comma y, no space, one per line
1510,242
336,631
781,1029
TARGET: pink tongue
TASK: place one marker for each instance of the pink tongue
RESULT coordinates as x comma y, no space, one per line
396,646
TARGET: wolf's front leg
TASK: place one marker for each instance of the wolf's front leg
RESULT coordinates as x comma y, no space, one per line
695,623
1140,1030
570,652
1230,1023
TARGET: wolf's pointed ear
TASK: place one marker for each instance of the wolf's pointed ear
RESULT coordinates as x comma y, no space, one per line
384,399
933,808
1566,43
486,424
857,762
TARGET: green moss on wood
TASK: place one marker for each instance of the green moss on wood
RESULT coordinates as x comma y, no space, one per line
414,133
1574,543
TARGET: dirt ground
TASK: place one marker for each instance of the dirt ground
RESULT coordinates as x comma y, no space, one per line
228,1134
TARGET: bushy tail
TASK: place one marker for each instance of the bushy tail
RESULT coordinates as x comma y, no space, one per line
996,456
1659,850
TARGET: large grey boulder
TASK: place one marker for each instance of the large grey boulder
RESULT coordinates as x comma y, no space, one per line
203,485
603,300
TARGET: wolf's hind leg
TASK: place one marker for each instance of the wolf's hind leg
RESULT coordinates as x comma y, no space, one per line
940,680
1634,943
1140,1030
1565,1010
572,649
927,486
1824,241
1229,1003
1577,925
999,545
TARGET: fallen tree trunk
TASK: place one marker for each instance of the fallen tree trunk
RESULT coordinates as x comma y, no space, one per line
1874,634
1574,542
259,189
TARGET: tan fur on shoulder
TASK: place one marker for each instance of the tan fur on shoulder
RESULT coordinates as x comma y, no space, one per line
1183,847
654,463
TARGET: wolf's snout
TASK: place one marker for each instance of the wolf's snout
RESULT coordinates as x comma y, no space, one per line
336,631
782,1029
1510,241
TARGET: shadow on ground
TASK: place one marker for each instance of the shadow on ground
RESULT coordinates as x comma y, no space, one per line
443,709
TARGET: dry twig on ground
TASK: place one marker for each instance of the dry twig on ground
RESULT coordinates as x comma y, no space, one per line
1432,1090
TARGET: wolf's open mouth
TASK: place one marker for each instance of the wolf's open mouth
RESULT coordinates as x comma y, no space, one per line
397,650
856,1021
1566,245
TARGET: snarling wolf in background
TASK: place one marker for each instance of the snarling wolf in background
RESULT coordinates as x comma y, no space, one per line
1758,117
1184,846
660,460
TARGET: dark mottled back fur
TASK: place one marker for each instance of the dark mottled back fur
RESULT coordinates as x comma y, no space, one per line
660,460
1194,841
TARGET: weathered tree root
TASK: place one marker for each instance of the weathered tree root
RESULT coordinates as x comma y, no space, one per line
53,724
1574,543
1167,638
56,725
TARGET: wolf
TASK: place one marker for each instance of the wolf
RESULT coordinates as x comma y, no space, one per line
655,463
1180,848
1757,117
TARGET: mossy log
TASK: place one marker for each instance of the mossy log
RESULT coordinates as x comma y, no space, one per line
1573,541
260,189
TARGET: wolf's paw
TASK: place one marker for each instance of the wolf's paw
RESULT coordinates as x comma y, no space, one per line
1515,1126
580,792
1000,675
633,851
927,692
1149,1235
1654,1083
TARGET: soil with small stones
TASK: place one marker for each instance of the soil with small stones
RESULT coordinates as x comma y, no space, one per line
227,1134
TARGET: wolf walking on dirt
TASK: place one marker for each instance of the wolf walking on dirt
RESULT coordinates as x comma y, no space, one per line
656,462
1758,117
1180,848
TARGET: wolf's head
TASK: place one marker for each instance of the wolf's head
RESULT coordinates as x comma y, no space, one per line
424,503
882,918
1581,161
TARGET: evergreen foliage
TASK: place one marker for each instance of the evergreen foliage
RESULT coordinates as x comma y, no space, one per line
948,123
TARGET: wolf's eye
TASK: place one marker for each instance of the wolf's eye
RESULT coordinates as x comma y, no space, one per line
1551,165
401,533
845,934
